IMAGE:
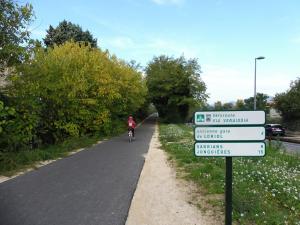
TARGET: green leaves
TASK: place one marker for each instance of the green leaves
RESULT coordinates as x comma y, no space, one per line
175,86
288,102
261,102
75,90
16,128
67,31
14,20
70,89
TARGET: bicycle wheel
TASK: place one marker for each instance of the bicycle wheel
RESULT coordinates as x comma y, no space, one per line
130,136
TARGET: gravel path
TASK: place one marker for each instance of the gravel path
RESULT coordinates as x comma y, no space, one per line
160,198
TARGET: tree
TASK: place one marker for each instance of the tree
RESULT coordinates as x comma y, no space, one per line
218,105
90,92
240,104
227,106
134,65
261,102
14,19
16,128
174,85
289,102
67,31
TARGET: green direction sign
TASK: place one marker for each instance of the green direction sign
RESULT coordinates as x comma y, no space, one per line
226,118
230,133
230,149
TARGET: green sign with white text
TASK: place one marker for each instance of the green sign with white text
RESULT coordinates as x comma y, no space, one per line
230,133
210,118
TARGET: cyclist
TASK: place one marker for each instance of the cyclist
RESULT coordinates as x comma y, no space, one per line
131,125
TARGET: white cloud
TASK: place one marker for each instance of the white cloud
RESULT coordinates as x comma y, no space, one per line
168,2
229,84
274,82
151,47
169,47
226,84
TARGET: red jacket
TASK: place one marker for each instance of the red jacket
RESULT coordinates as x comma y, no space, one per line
131,123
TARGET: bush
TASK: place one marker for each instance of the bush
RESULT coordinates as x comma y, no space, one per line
71,90
17,129
175,87
288,102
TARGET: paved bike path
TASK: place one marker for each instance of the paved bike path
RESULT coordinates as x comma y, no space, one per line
92,187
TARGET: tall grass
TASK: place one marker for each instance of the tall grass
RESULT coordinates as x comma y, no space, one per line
11,162
266,190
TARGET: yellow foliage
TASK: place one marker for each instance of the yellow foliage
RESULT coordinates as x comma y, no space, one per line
79,89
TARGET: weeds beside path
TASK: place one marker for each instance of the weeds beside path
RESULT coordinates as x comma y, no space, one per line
266,190
14,162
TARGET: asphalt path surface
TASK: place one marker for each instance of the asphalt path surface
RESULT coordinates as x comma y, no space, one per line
291,147
92,187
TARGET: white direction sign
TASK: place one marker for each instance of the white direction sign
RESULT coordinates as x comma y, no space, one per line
208,118
230,149
229,133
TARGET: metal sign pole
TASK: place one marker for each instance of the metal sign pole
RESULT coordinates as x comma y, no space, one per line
229,133
228,192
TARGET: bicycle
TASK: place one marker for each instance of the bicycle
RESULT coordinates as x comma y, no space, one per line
130,135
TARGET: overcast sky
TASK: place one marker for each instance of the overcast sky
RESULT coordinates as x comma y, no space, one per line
225,36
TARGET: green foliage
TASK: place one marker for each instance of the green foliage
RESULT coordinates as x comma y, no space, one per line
246,104
16,128
74,90
240,104
67,31
226,106
261,102
265,189
14,20
174,86
11,162
218,105
288,102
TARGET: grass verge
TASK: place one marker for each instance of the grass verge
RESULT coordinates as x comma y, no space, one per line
13,162
266,190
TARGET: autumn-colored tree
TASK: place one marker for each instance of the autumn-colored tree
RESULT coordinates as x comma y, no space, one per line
74,90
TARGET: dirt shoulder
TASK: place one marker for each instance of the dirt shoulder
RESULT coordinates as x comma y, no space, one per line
160,198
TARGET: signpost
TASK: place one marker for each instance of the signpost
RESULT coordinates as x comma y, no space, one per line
230,149
225,118
229,134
